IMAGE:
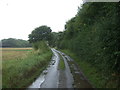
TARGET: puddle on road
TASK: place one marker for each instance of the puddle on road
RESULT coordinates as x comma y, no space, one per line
38,81
49,78
49,75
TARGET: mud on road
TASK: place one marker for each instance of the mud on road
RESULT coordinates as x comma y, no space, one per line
70,77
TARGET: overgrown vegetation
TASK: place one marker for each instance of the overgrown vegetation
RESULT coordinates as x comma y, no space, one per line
94,36
21,72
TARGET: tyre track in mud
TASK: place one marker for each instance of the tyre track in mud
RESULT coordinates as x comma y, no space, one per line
80,80
53,77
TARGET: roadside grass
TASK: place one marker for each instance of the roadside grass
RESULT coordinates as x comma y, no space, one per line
21,72
93,74
61,63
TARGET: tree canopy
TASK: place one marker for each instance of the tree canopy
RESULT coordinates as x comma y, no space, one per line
40,33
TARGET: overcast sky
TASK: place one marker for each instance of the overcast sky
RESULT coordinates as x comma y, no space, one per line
19,17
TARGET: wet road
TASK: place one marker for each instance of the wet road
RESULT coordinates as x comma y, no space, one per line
49,77
67,74
52,77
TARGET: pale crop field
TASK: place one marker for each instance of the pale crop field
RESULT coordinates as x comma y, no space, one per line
14,53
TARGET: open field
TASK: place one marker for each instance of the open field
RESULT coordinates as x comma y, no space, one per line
14,53
15,49
20,66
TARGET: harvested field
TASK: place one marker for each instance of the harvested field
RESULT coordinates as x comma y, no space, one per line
14,53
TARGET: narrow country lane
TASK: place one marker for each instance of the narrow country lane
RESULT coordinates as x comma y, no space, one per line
52,77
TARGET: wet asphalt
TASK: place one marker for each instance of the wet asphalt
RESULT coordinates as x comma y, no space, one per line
52,77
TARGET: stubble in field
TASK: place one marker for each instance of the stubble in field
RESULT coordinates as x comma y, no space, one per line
14,53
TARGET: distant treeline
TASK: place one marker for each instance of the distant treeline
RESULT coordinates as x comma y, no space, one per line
94,36
11,42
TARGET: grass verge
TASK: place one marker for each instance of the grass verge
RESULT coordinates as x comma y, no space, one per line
20,73
92,73
61,63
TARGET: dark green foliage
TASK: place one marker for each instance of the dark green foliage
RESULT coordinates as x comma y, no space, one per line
39,34
54,37
40,38
11,42
94,36
41,47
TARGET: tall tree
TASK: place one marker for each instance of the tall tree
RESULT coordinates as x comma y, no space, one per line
39,34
